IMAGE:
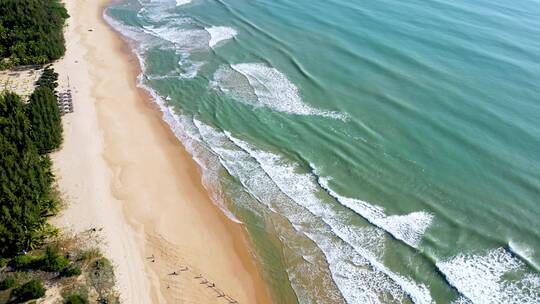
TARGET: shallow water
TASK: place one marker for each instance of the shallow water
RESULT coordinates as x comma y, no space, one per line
377,151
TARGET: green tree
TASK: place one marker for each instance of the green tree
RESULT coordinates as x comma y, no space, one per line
52,261
45,120
31,31
26,196
49,78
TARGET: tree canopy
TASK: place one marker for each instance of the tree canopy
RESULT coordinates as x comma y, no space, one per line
31,31
44,115
26,179
49,78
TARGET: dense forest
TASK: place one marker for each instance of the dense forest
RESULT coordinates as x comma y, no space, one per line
31,31
27,196
43,113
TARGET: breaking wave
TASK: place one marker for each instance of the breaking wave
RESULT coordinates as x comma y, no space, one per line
183,39
496,277
302,190
408,228
219,34
272,89
182,2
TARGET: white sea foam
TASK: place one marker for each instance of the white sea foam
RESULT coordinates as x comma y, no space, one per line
462,300
349,269
150,37
272,89
302,189
157,11
184,41
408,228
524,252
219,34
187,70
130,32
496,277
233,84
182,38
190,68
187,133
182,2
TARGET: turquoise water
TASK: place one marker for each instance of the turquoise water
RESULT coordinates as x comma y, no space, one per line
376,151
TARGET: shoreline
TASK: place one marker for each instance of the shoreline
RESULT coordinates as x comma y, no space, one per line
126,172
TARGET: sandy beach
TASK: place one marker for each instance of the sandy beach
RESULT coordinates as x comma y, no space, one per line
123,172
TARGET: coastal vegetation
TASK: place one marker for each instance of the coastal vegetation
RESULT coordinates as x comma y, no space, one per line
30,290
27,195
34,255
71,264
31,32
44,115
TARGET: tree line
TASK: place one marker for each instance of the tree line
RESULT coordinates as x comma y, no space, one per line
27,193
31,32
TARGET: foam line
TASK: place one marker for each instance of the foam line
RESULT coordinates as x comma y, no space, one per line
495,277
272,89
182,2
219,34
524,252
302,189
347,267
408,228
183,39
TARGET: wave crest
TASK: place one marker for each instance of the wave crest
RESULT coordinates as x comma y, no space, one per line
271,89
496,277
219,34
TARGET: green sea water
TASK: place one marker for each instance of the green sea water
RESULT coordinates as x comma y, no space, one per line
376,151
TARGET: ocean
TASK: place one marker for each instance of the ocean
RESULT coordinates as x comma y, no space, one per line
376,151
